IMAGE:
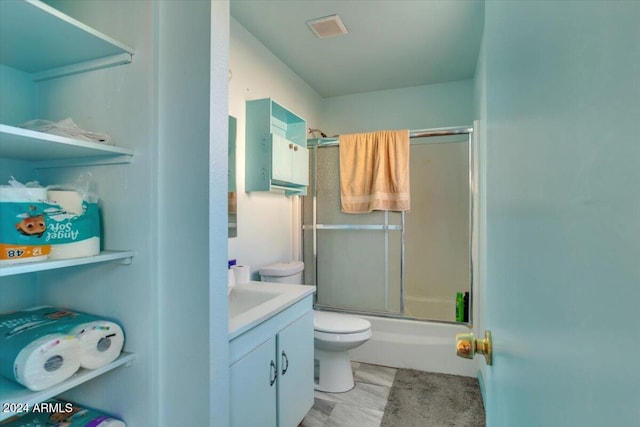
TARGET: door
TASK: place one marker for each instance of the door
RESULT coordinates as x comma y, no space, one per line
290,161
295,382
562,241
300,166
281,159
253,387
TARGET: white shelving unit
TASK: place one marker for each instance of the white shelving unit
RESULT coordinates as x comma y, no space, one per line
42,41
45,43
47,150
31,267
11,392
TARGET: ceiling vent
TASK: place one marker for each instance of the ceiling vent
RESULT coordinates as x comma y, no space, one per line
328,26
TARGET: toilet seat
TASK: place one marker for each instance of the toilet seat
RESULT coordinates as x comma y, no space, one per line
339,341
334,323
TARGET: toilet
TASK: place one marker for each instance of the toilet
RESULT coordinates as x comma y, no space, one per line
334,334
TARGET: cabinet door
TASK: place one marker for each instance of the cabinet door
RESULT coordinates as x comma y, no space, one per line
300,171
253,388
281,158
295,358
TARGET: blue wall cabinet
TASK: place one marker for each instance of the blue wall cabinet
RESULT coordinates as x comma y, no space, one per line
272,383
276,156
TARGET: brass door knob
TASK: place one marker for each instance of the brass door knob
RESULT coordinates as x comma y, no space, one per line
467,346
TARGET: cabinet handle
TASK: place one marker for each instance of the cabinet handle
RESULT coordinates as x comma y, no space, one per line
290,146
285,362
274,373
295,148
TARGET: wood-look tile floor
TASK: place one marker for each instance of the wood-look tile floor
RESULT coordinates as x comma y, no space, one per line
363,406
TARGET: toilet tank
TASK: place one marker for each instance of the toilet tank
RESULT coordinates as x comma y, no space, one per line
283,272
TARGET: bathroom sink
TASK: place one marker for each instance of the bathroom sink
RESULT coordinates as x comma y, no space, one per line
242,299
254,302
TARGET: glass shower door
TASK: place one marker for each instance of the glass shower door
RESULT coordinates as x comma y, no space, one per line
415,265
359,260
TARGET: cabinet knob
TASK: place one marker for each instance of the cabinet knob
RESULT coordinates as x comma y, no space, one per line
295,148
290,146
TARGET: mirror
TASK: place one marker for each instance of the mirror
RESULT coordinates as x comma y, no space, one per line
232,208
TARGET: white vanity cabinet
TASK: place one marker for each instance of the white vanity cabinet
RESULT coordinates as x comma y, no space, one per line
272,370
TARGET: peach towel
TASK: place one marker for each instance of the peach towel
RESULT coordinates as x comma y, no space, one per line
374,171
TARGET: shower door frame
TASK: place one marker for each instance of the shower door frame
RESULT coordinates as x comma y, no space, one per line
386,227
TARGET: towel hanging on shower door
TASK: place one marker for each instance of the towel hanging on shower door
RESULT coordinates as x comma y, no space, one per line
374,171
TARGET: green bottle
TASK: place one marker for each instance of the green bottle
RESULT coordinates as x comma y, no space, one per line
459,307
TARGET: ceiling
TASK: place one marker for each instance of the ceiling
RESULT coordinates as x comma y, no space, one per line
391,43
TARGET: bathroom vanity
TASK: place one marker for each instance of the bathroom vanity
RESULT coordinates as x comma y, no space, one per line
270,354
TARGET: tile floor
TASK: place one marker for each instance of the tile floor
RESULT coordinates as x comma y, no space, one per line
363,406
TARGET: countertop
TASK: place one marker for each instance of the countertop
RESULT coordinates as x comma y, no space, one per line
253,302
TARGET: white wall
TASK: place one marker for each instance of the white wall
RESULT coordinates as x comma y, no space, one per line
419,107
265,232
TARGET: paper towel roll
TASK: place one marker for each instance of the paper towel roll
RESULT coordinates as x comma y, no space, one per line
69,200
242,273
83,248
101,343
47,361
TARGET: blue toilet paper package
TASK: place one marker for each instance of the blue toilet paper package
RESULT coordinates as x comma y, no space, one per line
23,223
29,229
61,413
43,346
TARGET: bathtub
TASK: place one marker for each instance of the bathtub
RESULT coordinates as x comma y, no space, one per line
433,308
426,346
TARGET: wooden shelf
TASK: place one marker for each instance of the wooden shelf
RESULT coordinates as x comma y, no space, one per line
52,150
30,267
46,43
11,392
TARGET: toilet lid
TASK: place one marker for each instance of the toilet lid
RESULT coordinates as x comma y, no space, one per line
324,321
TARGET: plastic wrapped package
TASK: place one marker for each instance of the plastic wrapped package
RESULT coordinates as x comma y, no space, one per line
44,346
61,413
68,129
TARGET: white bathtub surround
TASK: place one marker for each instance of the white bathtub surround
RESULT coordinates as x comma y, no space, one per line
425,346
